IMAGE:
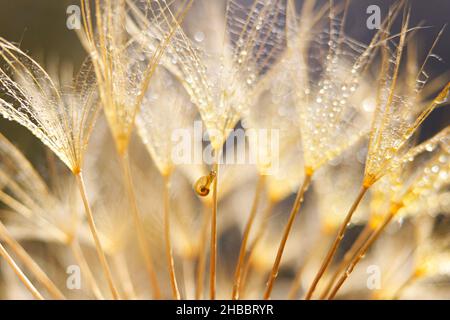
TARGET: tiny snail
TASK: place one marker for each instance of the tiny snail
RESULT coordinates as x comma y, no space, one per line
202,185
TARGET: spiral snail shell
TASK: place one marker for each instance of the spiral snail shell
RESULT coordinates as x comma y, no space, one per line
203,184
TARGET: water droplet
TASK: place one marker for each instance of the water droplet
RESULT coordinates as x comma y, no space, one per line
429,147
368,105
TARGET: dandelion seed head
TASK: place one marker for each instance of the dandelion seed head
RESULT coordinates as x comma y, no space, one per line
62,120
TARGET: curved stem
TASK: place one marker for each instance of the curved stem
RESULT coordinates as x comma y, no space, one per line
332,251
213,249
243,249
169,251
349,255
93,228
360,254
81,260
140,232
29,262
295,209
201,264
20,274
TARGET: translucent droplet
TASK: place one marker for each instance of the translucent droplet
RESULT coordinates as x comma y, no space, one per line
435,169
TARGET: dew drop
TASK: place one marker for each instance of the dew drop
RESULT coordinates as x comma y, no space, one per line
429,147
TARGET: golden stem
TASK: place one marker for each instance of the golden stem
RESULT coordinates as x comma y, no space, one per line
254,244
213,249
169,251
332,251
349,255
295,209
360,254
93,228
20,274
29,262
202,255
248,226
81,260
140,232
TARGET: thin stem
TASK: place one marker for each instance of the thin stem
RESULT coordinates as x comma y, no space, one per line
248,226
140,232
213,249
169,251
29,262
295,209
93,228
81,260
20,274
251,251
201,264
360,254
332,251
349,255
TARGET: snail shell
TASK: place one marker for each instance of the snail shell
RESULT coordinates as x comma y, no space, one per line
203,184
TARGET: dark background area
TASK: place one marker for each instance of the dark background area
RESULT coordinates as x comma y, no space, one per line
40,28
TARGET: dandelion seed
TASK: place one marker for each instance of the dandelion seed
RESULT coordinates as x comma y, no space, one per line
62,121
395,121
123,77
